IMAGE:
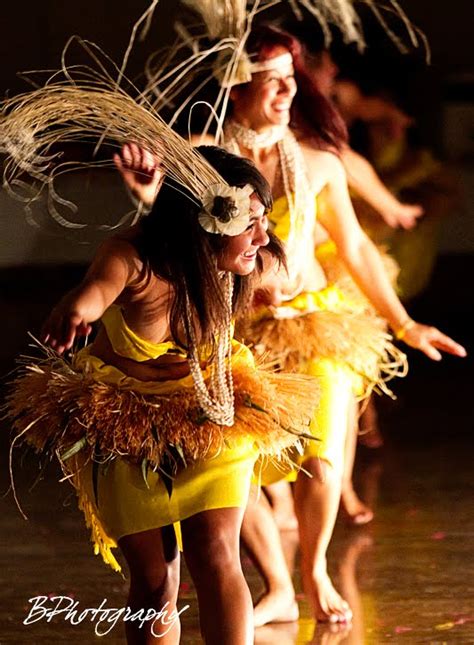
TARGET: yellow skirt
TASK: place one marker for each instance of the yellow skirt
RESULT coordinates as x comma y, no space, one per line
338,385
118,499
327,324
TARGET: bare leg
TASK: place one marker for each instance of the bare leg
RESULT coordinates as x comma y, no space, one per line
281,500
356,511
316,502
262,539
153,560
369,434
317,497
211,550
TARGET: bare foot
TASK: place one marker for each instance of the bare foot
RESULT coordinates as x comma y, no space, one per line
328,605
356,511
277,606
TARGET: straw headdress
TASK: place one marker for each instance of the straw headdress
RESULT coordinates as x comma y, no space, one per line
216,45
85,104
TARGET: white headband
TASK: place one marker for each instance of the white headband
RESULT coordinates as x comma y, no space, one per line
230,73
272,63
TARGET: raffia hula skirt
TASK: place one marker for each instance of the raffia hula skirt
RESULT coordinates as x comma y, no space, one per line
339,341
142,455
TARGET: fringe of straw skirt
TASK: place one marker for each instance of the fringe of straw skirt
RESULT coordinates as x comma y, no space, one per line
141,454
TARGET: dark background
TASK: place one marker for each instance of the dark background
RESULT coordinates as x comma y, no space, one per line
439,96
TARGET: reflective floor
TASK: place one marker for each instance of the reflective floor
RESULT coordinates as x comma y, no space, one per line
409,575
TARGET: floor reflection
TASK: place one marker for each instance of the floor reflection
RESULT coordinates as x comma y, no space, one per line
409,576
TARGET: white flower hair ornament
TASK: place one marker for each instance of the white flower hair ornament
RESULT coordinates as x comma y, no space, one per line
226,209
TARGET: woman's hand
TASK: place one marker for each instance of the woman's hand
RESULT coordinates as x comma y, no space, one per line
429,340
63,326
402,215
140,171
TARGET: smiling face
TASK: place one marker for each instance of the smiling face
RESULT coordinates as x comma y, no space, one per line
265,102
240,253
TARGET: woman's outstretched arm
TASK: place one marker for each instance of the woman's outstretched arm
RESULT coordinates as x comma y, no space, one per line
140,172
363,260
113,267
363,179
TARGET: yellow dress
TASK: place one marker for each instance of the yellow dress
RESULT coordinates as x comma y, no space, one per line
332,337
140,454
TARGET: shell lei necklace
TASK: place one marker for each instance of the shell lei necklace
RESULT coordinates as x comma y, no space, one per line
217,400
251,139
295,185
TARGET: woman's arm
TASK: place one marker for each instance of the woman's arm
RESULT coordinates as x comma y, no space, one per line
363,179
363,260
140,172
114,266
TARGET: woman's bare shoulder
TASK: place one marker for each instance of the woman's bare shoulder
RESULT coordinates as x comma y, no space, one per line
117,258
316,155
120,247
142,283
321,164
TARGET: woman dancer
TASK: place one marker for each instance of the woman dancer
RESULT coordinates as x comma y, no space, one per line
309,326
144,421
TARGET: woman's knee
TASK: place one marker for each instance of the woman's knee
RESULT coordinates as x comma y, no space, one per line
213,546
321,470
153,563
155,591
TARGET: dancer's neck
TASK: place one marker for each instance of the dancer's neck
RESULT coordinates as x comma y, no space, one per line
256,142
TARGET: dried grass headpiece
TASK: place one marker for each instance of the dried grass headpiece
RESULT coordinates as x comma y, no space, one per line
217,46
245,68
82,104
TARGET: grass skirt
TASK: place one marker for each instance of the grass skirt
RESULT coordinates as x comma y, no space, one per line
91,415
54,406
327,324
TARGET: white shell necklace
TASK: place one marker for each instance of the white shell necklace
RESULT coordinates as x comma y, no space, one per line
295,185
251,139
217,400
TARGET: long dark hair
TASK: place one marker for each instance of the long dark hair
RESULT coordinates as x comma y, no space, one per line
312,115
176,248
